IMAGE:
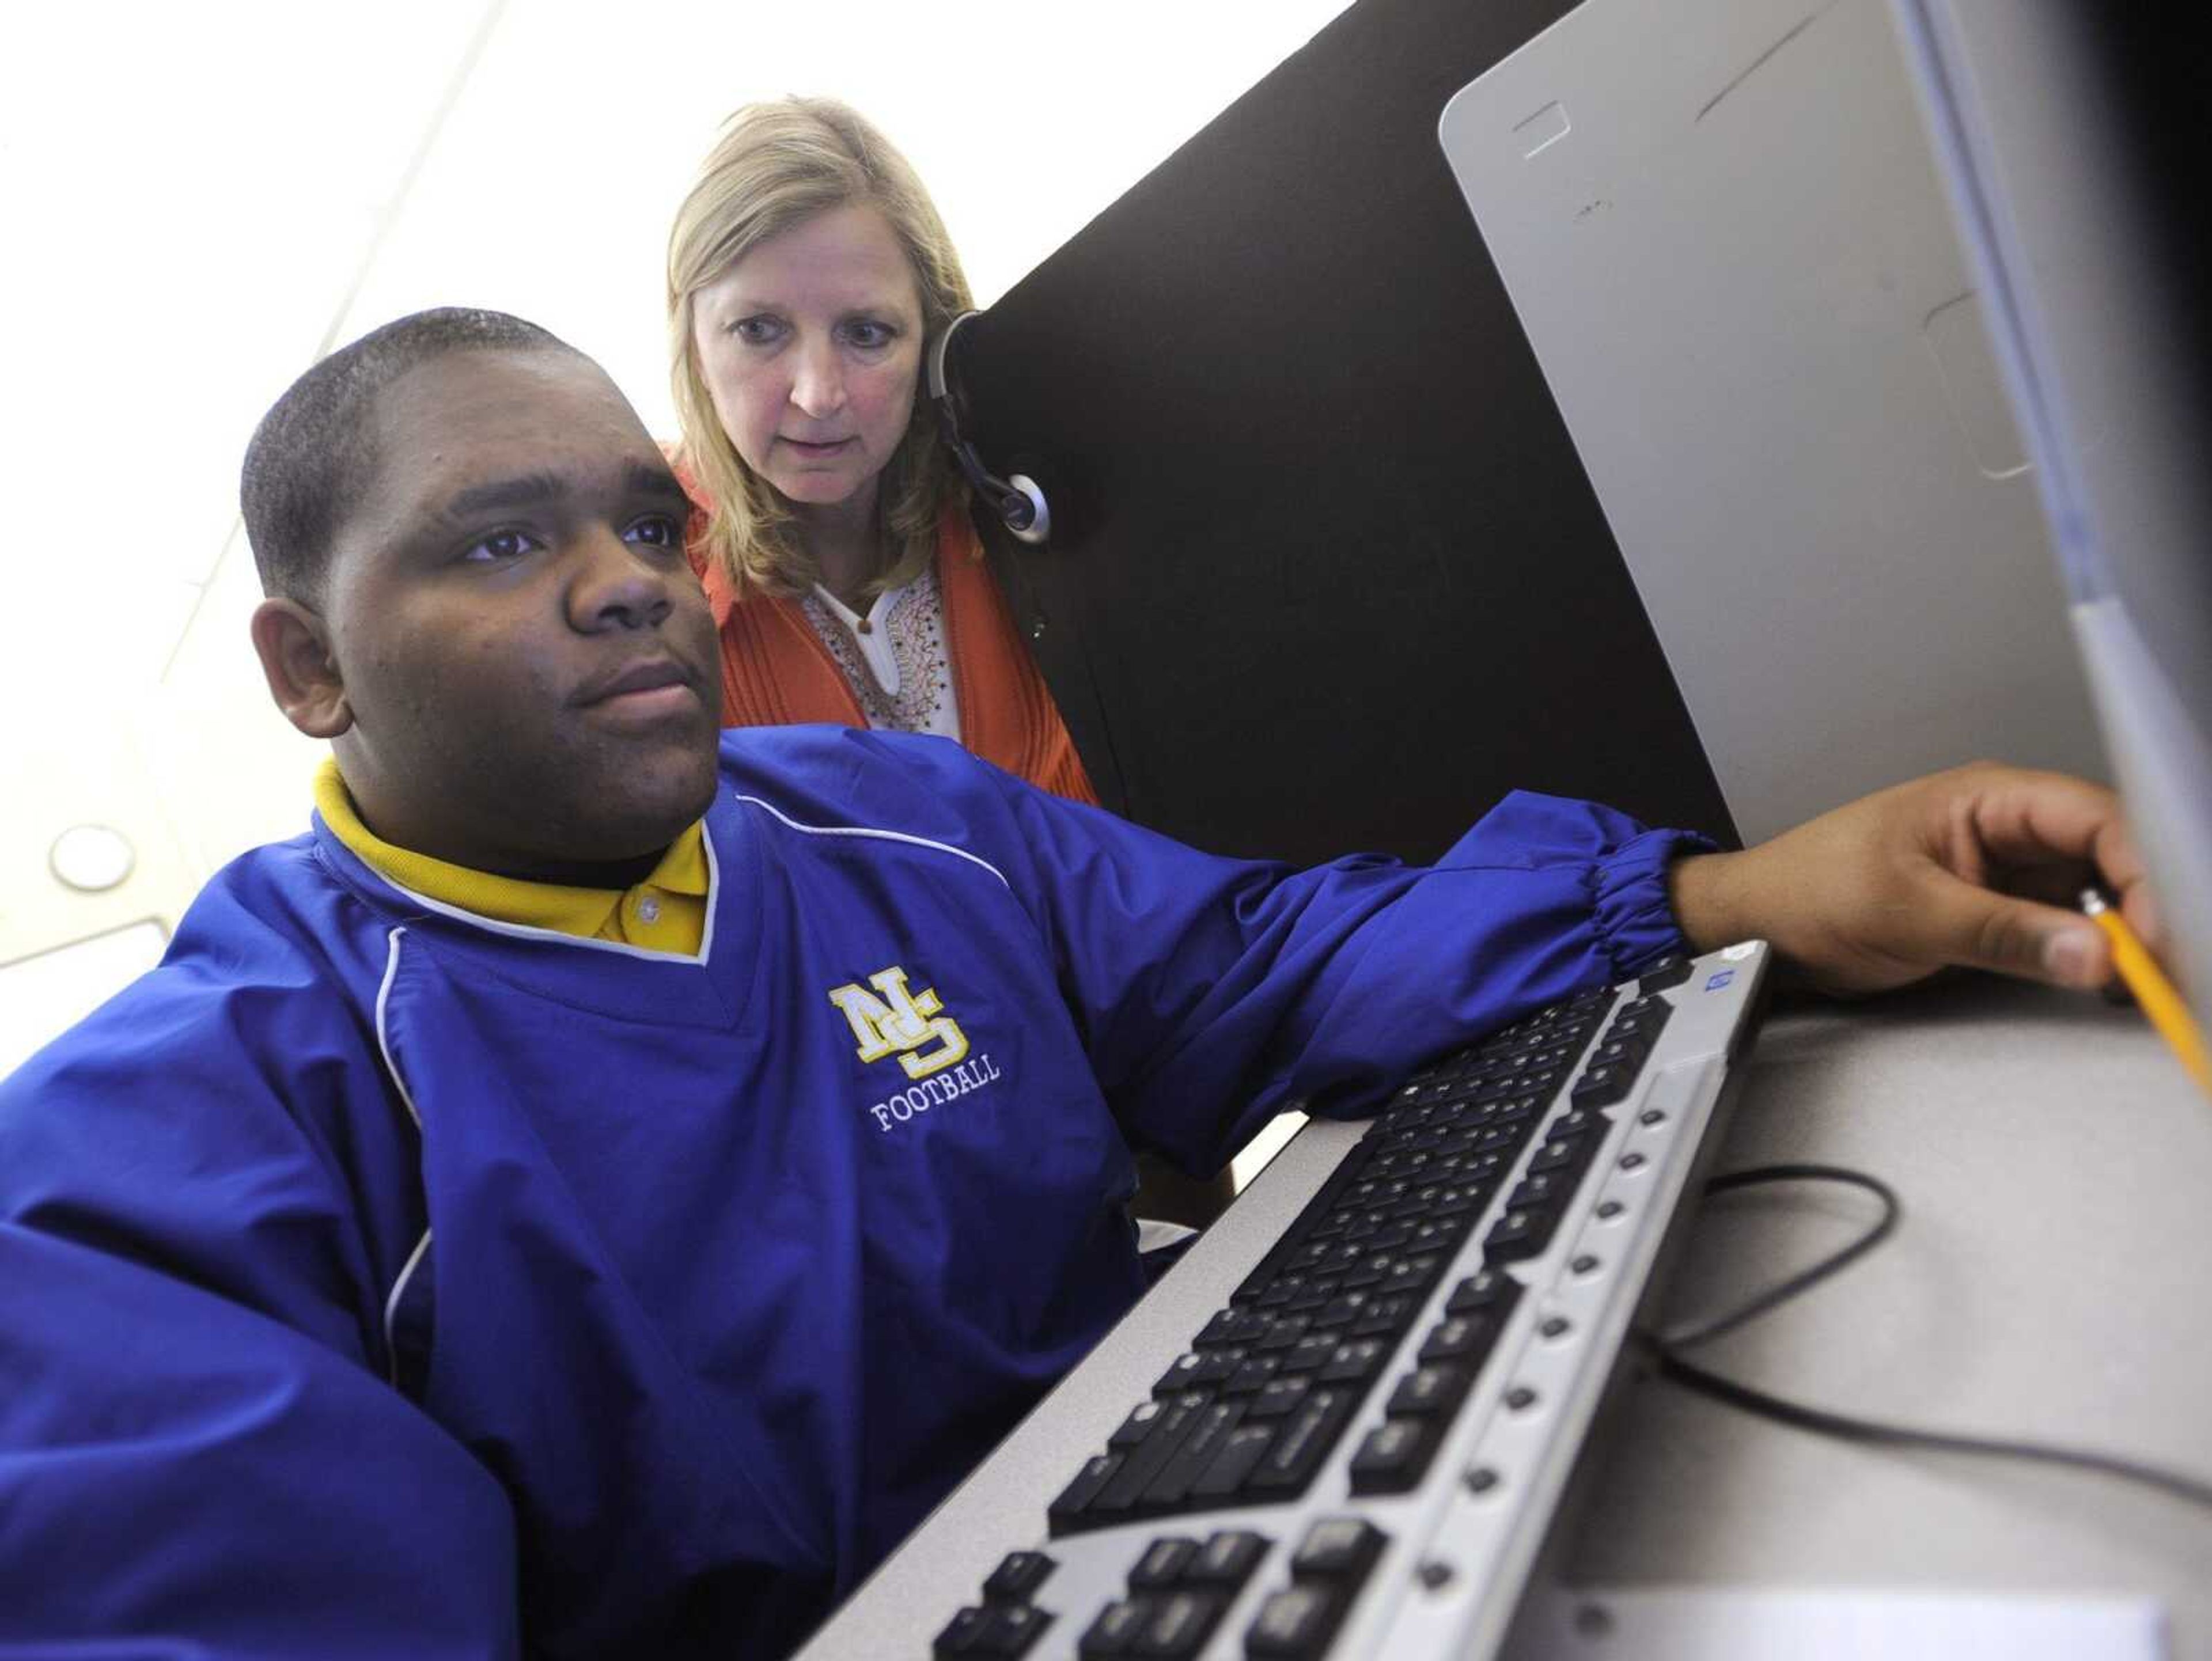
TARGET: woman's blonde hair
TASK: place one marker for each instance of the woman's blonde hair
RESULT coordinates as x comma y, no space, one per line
777,164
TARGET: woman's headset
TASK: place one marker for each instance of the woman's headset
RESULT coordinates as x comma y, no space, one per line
1018,499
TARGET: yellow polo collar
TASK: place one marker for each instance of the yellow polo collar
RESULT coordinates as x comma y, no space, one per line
666,913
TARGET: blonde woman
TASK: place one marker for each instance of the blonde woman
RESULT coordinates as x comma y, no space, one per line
807,272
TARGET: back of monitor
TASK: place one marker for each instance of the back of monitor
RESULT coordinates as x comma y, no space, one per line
1721,224
2071,141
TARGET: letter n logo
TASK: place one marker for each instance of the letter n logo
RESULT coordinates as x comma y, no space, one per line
901,1023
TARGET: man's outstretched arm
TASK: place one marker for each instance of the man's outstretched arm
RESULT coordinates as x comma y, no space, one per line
1978,866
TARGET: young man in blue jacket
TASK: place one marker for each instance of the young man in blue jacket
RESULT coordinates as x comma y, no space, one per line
601,1186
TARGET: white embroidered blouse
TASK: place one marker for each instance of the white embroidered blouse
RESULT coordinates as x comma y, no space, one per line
894,657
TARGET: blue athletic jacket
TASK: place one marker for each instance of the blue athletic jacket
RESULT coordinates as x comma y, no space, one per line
377,1281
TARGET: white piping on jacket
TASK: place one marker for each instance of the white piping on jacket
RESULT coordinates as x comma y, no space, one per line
886,835
407,1100
392,1306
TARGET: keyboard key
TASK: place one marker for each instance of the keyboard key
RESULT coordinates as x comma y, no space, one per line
1010,1630
1137,1426
1340,1550
1456,1200
1252,1377
1577,1122
1001,1633
1429,1392
1231,1326
1461,1338
1642,1030
1570,1155
1182,1622
1233,1466
1435,1235
1280,1398
1539,1189
1339,1311
1481,1172
1073,1504
1355,1363
1518,1234
1391,1456
1227,1560
1384,1318
1412,1275
1389,1237
959,1636
1171,1488
1499,1137
1602,1084
1163,1564
1486,1289
1113,1633
1640,1017
1304,1442
1627,1052
1142,1463
1198,1370
1369,1271
1308,1352
1344,1254
1293,1625
1666,972
1018,1575
1309,1256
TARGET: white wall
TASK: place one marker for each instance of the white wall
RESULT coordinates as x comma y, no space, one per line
197,201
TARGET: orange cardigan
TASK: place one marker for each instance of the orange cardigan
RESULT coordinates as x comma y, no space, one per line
776,671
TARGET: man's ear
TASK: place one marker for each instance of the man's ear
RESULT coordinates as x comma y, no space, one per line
297,662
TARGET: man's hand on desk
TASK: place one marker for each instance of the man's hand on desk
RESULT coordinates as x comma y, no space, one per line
1980,865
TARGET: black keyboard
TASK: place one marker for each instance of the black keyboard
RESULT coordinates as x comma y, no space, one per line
1249,1413
1359,1450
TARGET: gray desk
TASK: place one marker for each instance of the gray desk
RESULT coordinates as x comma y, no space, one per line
2052,1279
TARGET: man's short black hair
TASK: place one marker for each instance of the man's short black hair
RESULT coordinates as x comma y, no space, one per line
314,453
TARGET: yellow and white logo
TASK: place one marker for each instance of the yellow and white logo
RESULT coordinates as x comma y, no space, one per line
893,1020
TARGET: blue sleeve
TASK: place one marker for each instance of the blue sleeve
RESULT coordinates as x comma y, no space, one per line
200,1455
1202,981
1214,992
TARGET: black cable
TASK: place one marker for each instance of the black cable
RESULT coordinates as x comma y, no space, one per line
1672,1366
1665,1348
1682,1339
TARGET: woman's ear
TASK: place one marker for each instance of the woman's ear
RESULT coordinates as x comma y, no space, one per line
302,675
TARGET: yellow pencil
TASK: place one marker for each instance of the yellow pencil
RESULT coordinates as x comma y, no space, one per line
2153,991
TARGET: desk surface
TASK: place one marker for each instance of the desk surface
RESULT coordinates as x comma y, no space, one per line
2051,1279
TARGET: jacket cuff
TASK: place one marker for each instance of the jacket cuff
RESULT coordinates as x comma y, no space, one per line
1636,926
